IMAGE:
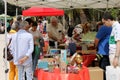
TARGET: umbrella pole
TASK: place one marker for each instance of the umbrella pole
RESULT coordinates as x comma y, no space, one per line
16,8
107,5
16,12
5,61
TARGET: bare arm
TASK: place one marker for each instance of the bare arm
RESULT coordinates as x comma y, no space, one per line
117,54
118,48
51,36
96,42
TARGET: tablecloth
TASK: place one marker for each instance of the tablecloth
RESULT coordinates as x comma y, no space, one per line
56,75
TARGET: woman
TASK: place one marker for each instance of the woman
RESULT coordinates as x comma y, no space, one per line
13,73
37,48
77,33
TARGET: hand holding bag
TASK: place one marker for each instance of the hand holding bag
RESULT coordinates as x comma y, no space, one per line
112,73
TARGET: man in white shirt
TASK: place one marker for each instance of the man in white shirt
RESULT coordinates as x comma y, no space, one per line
114,40
22,48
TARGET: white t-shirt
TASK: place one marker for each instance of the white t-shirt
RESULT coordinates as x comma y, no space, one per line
114,37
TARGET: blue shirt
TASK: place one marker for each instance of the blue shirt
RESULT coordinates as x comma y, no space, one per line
103,36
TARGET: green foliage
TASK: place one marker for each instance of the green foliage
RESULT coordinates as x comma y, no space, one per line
1,7
114,12
11,9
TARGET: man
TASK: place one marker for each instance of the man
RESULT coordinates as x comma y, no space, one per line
55,32
102,44
114,41
30,21
19,18
22,48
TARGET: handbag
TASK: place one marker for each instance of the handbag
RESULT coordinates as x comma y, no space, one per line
9,55
112,73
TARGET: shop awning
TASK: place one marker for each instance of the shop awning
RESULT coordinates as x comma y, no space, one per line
67,3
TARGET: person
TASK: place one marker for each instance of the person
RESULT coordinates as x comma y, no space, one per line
114,40
30,21
55,32
40,26
37,47
44,29
13,73
19,18
22,48
99,24
102,45
77,33
70,30
9,25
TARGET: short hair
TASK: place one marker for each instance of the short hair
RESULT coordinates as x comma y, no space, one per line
108,15
34,24
39,21
53,18
23,24
19,18
29,20
15,25
11,20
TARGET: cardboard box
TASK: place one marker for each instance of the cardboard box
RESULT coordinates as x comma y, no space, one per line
96,73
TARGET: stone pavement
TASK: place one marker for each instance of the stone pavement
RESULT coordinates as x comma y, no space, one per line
3,76
3,67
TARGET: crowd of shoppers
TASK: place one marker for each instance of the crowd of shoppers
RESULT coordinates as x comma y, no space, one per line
26,45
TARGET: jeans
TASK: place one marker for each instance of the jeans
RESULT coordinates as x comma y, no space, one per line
35,56
21,72
35,61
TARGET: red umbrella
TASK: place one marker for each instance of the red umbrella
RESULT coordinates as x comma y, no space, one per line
40,11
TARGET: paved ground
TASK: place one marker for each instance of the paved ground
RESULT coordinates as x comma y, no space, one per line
3,76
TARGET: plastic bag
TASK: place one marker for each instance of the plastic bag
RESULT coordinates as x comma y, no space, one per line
112,73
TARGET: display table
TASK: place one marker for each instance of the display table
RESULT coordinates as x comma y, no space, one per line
56,75
87,59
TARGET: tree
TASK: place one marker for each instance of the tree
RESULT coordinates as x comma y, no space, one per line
11,9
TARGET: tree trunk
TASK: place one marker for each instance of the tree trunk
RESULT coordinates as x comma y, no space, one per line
83,17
